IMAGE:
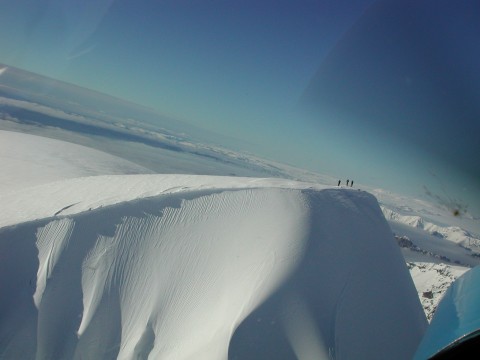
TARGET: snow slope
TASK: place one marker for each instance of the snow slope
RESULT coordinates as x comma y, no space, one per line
196,267
453,234
432,280
28,160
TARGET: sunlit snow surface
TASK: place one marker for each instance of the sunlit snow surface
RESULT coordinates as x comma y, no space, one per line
28,160
201,267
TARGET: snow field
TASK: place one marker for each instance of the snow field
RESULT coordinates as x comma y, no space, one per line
28,160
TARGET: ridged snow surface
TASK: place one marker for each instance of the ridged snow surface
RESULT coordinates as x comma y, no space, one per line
206,270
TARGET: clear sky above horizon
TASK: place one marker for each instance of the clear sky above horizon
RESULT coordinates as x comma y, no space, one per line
251,70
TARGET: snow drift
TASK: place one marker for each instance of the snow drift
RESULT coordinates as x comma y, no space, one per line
211,268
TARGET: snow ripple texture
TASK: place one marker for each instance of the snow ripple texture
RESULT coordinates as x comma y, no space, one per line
51,242
246,274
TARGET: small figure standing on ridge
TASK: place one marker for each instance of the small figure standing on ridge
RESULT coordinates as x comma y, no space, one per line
351,184
339,181
347,181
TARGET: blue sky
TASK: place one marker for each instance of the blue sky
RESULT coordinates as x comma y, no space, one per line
237,68
244,69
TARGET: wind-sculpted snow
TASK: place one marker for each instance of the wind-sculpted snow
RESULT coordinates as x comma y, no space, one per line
207,269
51,242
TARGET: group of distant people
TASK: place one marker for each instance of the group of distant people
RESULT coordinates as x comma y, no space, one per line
348,182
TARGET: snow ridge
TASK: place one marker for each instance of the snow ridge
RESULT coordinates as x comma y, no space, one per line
207,274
